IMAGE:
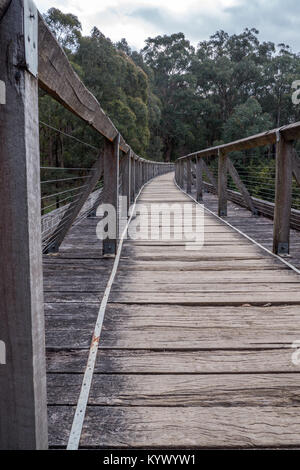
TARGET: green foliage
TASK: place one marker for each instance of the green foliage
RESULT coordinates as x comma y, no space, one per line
66,27
120,86
170,57
246,119
170,99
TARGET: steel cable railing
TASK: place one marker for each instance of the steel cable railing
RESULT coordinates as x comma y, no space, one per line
264,181
63,188
262,185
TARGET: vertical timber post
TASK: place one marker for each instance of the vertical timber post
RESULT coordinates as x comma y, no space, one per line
132,177
199,180
140,174
188,176
111,162
23,404
143,171
181,174
222,184
283,196
136,166
128,189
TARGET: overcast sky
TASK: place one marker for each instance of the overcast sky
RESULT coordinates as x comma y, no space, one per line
277,20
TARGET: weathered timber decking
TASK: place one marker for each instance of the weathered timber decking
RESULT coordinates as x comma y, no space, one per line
259,229
196,345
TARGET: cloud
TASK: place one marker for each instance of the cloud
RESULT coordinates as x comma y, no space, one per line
274,22
198,19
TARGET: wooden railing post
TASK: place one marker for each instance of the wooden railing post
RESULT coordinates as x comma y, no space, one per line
136,176
283,196
222,184
111,162
143,172
132,177
23,404
125,170
188,176
199,179
181,170
128,191
140,174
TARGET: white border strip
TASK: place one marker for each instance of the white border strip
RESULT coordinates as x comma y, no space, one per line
76,430
241,233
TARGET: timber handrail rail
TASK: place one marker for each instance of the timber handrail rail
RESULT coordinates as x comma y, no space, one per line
57,77
289,132
287,165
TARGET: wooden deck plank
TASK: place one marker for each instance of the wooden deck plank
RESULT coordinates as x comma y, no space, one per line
238,276
174,298
198,298
179,390
166,361
258,228
176,327
196,347
126,264
212,427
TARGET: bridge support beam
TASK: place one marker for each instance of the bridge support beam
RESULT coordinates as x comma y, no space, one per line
283,197
188,176
240,185
111,162
132,188
222,184
136,176
127,179
23,405
199,179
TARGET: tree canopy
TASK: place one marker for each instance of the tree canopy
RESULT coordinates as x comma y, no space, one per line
171,98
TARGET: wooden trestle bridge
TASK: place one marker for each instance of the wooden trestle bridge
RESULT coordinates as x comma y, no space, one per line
148,343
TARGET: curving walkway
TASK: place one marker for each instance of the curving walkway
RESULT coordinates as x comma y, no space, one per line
195,349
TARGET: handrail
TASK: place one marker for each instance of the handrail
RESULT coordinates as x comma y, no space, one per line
57,77
289,132
287,166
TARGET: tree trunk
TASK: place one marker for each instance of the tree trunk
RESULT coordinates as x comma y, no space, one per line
168,152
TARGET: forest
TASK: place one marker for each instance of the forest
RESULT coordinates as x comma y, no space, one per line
170,98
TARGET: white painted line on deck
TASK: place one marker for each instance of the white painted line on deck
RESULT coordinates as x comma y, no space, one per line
242,233
80,412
